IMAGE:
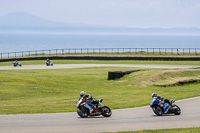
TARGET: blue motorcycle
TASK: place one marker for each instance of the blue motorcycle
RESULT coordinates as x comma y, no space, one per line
160,107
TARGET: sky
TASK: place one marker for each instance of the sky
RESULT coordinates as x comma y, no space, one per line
126,13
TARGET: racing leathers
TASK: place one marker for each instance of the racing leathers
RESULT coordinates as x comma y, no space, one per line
165,100
16,63
90,102
166,107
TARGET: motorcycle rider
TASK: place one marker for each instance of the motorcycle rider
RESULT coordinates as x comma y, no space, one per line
166,108
48,61
153,95
16,62
90,102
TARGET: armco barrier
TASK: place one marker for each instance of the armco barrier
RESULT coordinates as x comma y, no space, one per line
105,58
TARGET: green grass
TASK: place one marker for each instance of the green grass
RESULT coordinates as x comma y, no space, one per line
176,130
37,62
57,90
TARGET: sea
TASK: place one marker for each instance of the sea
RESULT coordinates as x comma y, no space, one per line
31,42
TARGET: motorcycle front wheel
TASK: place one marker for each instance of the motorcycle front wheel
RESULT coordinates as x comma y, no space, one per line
177,110
106,111
157,110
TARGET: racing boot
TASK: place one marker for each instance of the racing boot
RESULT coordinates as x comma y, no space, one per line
90,108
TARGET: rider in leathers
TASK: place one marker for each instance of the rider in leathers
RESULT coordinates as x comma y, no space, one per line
16,62
48,62
90,102
162,99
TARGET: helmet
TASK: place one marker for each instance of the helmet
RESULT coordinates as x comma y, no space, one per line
82,93
153,95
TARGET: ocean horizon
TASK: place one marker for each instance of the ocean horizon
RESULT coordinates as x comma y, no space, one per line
31,42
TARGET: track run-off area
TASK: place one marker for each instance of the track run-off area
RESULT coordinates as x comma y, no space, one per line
131,119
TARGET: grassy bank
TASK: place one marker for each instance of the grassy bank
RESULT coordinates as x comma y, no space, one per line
57,90
42,62
176,130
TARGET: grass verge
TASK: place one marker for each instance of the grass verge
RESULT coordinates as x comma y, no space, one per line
176,130
57,90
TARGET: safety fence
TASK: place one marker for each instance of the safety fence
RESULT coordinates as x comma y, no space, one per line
134,51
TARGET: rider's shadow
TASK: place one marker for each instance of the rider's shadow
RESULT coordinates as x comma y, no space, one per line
164,115
92,117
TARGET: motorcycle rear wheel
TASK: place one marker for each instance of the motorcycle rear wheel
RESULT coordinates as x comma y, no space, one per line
106,111
83,113
157,110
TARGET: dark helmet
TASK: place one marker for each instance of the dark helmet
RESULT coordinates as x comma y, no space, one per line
153,95
82,93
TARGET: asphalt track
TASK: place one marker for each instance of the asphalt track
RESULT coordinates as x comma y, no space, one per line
131,119
61,66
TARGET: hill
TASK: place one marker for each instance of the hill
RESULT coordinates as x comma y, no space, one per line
20,22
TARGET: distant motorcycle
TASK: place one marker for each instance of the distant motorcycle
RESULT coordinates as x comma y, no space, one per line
49,63
160,108
16,64
99,109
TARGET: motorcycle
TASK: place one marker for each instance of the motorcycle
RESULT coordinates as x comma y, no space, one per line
49,63
98,110
160,108
15,64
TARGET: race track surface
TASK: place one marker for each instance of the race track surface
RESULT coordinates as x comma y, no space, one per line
60,66
121,120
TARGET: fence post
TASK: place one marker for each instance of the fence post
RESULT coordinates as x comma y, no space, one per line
135,50
1,55
62,51
189,50
22,53
153,50
15,54
195,51
8,55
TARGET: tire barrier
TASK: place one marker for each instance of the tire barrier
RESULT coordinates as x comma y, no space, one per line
112,75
